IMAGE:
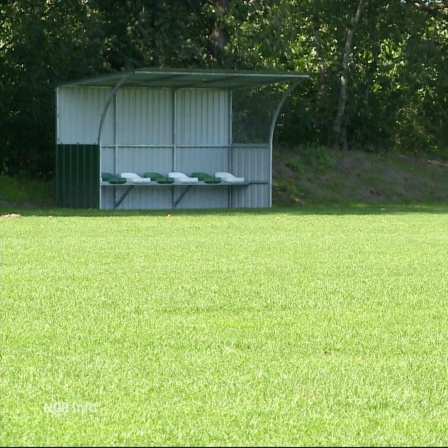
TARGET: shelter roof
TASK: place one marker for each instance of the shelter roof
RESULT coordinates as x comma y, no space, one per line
184,78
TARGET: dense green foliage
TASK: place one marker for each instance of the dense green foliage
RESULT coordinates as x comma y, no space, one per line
378,68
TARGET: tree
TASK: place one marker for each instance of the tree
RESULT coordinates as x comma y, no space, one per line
338,122
377,68
42,44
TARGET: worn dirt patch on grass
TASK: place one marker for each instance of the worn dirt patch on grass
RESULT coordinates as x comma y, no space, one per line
11,215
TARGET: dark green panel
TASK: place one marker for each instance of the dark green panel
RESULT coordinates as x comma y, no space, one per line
77,176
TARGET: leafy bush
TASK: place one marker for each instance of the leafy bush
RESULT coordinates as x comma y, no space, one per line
319,157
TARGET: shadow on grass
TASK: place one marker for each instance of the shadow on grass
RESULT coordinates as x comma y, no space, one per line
328,209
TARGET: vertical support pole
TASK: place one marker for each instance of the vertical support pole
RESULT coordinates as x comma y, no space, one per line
109,99
57,190
115,134
103,117
174,142
271,133
230,146
174,164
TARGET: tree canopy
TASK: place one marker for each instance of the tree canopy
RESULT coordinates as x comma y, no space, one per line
378,69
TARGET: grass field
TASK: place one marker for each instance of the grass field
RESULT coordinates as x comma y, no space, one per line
314,326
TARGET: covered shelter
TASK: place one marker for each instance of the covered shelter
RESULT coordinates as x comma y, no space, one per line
164,139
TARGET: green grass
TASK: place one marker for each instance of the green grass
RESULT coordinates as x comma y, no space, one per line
321,176
21,190
319,326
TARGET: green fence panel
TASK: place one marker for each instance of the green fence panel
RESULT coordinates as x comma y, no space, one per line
77,176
